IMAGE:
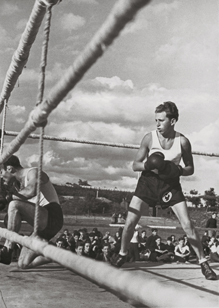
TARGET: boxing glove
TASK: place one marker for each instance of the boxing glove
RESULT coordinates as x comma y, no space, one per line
13,186
3,202
170,170
154,161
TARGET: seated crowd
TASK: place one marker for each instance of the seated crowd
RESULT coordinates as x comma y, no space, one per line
92,244
105,247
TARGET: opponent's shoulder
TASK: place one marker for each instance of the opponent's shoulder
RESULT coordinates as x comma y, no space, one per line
184,140
30,173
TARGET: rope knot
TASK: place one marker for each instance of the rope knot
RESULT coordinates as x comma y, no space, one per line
39,119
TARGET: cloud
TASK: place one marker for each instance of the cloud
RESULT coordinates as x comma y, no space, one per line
8,9
84,1
29,75
18,113
5,40
206,175
70,22
21,24
114,82
51,76
134,26
202,140
165,8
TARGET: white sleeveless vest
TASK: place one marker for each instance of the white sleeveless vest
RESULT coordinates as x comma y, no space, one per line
47,193
174,154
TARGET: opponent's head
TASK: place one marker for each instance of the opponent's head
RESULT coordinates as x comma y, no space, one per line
12,164
170,109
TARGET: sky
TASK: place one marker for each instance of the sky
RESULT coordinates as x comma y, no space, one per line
169,52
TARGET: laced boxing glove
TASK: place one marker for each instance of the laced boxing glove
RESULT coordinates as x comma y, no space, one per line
155,161
170,170
6,192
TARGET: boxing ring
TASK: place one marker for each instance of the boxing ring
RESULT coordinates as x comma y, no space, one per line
133,286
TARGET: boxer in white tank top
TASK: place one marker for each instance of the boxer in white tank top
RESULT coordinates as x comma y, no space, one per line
153,189
47,191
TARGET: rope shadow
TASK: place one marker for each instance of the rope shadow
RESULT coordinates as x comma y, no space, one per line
175,279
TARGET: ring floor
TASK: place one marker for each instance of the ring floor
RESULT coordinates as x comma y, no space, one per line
56,287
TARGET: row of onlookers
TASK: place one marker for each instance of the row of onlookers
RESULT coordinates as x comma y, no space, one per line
106,247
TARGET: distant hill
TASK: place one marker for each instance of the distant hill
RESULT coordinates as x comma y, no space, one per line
86,200
77,190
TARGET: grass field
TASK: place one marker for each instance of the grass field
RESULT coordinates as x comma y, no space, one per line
166,226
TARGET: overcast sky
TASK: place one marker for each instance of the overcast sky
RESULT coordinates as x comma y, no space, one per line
169,52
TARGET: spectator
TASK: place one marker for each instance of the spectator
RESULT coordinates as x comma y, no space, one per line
97,233
186,242
120,219
211,223
82,235
96,244
214,250
74,241
182,252
91,236
142,240
160,253
69,242
105,254
117,244
205,243
133,248
114,218
109,239
66,232
87,252
151,241
173,239
170,247
61,243
79,248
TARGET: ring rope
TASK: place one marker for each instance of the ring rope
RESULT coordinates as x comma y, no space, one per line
134,286
93,142
41,85
20,56
3,125
123,12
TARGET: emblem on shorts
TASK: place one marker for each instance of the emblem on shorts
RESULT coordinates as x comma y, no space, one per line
167,197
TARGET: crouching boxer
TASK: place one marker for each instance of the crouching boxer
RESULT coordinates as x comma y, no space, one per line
22,207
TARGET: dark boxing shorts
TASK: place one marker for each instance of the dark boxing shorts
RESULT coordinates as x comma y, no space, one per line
154,191
55,221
